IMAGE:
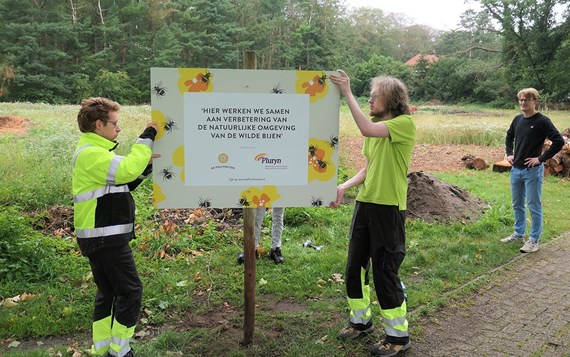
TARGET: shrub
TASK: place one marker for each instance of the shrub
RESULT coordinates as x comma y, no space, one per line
24,253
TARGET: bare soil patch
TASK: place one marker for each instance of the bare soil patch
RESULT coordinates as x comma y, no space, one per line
426,157
429,198
13,124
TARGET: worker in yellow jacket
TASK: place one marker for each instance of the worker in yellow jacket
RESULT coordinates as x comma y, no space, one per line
104,215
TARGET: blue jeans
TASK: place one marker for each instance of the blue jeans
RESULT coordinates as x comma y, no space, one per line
526,187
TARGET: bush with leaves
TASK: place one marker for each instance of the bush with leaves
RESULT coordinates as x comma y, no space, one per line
26,254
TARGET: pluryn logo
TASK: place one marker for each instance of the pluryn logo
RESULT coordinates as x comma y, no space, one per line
264,159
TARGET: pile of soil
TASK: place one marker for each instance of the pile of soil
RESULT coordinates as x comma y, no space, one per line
432,200
13,124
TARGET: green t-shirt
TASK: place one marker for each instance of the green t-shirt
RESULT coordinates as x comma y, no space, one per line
386,180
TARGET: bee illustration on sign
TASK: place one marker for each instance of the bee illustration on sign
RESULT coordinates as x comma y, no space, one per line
204,203
316,201
159,90
313,150
169,125
200,83
321,166
277,90
243,202
167,173
333,141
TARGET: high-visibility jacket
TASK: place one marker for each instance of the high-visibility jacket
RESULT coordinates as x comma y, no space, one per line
104,210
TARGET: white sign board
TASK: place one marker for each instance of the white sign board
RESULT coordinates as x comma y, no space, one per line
244,138
251,138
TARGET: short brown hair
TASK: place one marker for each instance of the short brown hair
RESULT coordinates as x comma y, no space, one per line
93,109
393,93
529,93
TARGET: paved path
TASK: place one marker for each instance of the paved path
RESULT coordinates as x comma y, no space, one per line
523,311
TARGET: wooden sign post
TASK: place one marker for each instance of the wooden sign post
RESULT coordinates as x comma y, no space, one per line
250,62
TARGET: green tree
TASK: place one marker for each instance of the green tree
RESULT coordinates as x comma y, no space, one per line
533,33
376,66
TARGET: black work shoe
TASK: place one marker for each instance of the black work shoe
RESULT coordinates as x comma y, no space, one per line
241,257
131,353
275,255
352,332
388,349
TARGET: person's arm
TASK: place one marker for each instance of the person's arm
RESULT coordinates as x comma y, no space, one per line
352,182
367,127
138,163
509,142
557,141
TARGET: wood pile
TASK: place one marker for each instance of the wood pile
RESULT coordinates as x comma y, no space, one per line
559,164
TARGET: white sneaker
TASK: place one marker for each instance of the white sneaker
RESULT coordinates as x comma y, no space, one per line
512,238
529,247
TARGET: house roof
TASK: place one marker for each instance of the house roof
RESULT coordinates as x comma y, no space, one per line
414,60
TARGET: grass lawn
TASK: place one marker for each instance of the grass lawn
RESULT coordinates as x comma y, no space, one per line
193,297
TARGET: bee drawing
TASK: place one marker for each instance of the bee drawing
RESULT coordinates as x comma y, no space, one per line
333,141
159,90
277,90
167,174
204,202
206,77
322,79
243,202
316,201
169,125
322,165
312,150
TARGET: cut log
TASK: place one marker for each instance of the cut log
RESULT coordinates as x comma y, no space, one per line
502,166
474,163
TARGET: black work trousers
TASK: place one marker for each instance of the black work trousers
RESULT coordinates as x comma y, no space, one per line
119,289
377,236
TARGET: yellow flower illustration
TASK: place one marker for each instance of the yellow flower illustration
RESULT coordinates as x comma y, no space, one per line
159,119
178,160
195,80
158,196
313,83
320,164
253,197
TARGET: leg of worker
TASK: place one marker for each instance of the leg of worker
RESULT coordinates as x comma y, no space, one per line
357,265
103,305
277,226
518,191
128,290
388,250
534,179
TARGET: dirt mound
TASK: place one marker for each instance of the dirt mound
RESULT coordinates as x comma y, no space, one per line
432,200
13,124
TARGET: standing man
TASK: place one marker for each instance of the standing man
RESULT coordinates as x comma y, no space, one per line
104,215
377,232
277,214
524,142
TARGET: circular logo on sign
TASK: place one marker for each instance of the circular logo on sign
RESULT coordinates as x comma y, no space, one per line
223,158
